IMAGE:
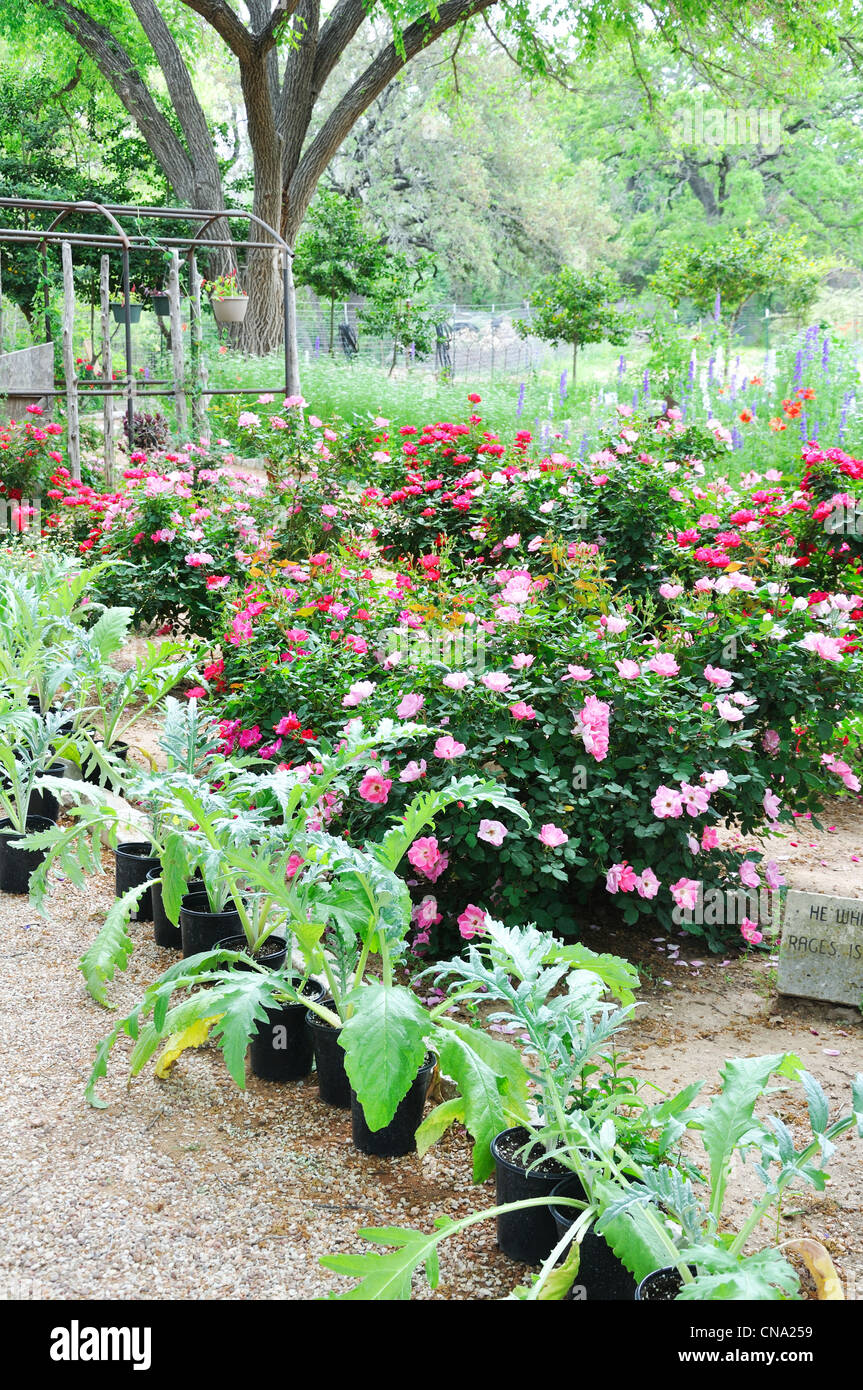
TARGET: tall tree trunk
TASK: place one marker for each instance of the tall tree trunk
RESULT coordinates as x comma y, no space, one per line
263,328
574,364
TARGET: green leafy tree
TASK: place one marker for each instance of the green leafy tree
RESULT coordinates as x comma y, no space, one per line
336,255
723,276
577,307
398,307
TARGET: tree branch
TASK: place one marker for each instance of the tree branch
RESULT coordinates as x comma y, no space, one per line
123,77
380,72
336,34
227,25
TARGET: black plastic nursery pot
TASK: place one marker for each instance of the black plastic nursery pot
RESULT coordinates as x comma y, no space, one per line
133,861
530,1235
44,802
398,1137
334,1088
601,1275
16,865
200,928
272,954
165,933
281,1050
662,1286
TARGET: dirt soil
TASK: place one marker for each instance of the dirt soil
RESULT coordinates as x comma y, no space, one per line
188,1188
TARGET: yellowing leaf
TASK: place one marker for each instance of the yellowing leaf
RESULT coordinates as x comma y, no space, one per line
306,612
828,1285
195,1035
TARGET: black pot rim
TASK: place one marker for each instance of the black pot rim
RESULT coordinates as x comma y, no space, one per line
239,943
567,1215
200,912
34,822
508,1162
136,849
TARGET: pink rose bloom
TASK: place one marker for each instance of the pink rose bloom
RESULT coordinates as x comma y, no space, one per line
750,933
667,802
718,677
520,710
409,705
828,648
510,542
359,691
726,710
685,892
448,747
749,874
671,590
456,680
521,661
496,680
577,673
425,914
709,838
621,878
715,781
615,625
198,557
695,799
413,771
424,854
773,874
492,831
628,670
217,581
375,787
471,922
553,836
771,805
249,737
647,884
770,742
663,664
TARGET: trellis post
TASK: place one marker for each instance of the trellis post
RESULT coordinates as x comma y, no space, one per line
72,427
177,357
107,376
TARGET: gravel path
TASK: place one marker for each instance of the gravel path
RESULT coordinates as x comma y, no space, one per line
188,1188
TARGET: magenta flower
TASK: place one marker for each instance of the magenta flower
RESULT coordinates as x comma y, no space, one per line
695,799
621,878
426,856
709,838
577,673
552,836
771,806
375,787
471,922
750,933
749,874
520,710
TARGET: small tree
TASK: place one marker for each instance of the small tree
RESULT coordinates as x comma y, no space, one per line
720,278
577,307
398,306
336,255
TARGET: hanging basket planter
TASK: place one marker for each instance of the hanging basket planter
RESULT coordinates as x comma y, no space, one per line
122,311
232,309
162,305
